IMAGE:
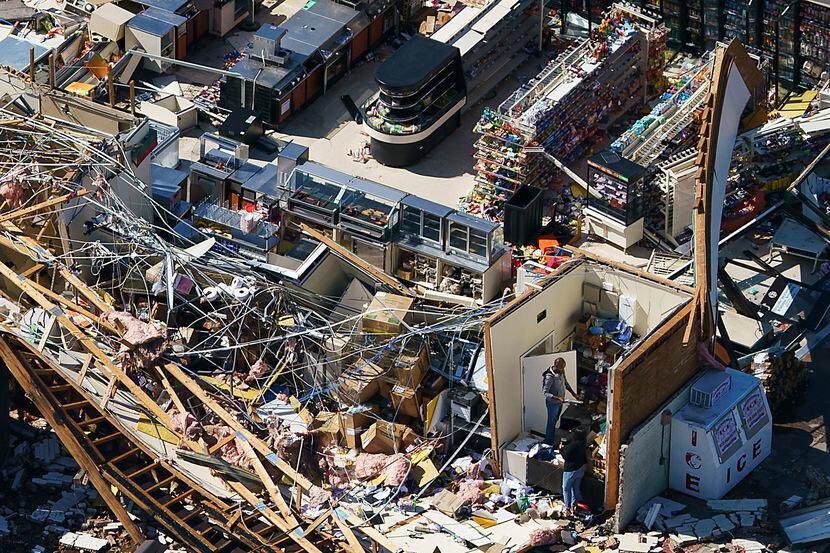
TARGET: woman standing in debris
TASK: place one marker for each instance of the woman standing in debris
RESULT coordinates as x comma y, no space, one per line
574,451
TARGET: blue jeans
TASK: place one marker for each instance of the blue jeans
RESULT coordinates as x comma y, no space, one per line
571,482
554,410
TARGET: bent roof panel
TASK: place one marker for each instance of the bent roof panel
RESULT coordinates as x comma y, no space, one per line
334,11
166,16
14,52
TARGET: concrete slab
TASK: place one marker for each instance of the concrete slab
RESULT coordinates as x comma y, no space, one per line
680,520
684,538
746,520
444,176
636,543
705,528
731,505
84,542
724,523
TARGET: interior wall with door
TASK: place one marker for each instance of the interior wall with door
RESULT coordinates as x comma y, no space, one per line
533,366
519,328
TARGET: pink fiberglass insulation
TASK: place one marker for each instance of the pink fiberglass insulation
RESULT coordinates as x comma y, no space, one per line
232,451
317,496
146,340
186,425
397,470
336,477
258,370
544,536
708,358
135,332
369,465
13,193
470,492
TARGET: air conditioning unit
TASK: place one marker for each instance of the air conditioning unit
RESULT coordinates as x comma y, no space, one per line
709,388
281,57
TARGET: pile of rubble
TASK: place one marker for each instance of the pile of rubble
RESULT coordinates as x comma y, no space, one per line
730,514
781,372
672,525
47,503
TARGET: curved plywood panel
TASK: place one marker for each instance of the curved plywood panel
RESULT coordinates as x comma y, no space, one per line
736,81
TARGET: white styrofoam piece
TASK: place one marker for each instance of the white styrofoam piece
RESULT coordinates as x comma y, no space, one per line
468,531
84,541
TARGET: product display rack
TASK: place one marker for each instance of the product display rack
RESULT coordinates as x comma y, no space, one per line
735,13
814,42
674,17
772,11
724,20
563,109
712,22
647,139
497,45
694,22
804,32
421,92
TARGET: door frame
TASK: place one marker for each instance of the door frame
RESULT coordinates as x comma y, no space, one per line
561,347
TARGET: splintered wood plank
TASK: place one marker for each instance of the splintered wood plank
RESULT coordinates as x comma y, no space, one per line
355,260
268,482
23,211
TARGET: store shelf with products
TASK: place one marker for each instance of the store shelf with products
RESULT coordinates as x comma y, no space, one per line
814,42
723,20
491,39
694,23
574,99
618,184
772,10
711,23
735,13
422,91
688,82
674,18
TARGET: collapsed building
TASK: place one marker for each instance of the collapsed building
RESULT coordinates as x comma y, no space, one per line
283,357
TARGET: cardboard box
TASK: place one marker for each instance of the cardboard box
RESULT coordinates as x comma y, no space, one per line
383,437
514,463
411,369
385,385
358,383
385,313
448,503
326,425
353,423
409,438
406,274
327,422
406,400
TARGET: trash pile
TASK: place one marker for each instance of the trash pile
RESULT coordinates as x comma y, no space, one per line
781,372
717,525
235,405
46,501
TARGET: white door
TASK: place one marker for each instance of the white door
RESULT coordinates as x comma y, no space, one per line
535,412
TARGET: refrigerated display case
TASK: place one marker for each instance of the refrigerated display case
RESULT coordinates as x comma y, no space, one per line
772,12
814,42
616,201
